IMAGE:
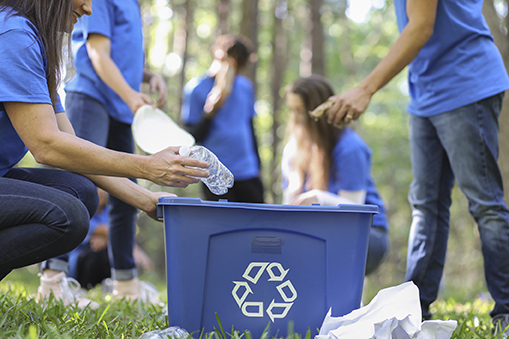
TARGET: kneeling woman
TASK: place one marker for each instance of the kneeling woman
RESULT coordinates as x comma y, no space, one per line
328,165
45,213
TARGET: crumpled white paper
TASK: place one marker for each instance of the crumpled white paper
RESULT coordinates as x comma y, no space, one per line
394,313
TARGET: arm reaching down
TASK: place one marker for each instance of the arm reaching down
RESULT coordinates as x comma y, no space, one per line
51,140
421,20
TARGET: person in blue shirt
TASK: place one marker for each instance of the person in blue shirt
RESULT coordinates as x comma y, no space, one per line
456,80
101,100
45,212
330,166
218,110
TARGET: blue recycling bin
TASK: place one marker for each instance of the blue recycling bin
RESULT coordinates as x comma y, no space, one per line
262,264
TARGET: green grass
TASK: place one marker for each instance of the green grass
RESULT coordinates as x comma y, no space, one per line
473,318
21,317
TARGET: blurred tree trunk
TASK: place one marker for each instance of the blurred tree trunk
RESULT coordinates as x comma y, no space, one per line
312,54
279,46
498,27
305,51
181,40
249,28
223,10
316,33
345,49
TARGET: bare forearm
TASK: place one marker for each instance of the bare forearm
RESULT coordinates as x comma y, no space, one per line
404,50
80,156
157,84
126,190
421,20
108,71
99,51
52,142
351,104
80,151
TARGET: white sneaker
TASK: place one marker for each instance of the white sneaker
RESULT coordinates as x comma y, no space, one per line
135,289
501,323
65,289
150,294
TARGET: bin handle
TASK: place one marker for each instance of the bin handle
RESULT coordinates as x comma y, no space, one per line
272,245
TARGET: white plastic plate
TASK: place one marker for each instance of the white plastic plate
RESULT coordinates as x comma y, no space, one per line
153,131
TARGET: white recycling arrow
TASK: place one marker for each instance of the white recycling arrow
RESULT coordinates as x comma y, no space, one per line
248,290
286,289
282,272
288,284
272,305
261,265
252,314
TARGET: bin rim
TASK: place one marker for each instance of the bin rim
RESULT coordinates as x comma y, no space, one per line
191,201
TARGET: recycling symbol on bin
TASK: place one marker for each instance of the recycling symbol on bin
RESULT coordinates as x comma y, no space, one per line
285,289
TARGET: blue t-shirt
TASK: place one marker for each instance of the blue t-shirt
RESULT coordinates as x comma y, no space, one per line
350,171
120,21
459,65
23,71
230,137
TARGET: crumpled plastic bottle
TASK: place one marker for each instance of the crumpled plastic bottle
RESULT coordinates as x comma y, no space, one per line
174,332
220,178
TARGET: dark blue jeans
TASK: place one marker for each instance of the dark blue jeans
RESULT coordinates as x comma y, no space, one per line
378,248
91,122
44,213
461,144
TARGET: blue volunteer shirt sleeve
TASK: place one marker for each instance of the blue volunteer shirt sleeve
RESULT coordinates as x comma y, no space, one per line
101,20
192,106
24,80
352,167
25,58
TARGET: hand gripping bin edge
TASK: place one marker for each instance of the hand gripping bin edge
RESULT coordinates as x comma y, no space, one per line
259,264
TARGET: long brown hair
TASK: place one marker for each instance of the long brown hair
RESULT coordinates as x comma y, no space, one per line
237,47
52,18
315,139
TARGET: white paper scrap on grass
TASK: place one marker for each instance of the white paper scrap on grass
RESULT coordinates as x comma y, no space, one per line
394,313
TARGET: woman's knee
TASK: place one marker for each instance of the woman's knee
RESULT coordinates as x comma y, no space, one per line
89,196
84,190
74,184
77,223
